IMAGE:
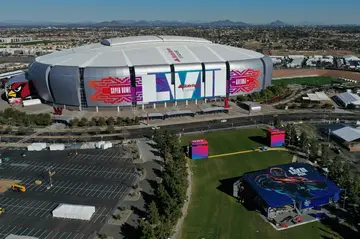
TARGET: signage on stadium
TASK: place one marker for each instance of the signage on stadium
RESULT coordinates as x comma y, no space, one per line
111,90
188,86
297,171
244,81
176,56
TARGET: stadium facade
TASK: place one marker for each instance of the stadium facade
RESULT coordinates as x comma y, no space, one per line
147,71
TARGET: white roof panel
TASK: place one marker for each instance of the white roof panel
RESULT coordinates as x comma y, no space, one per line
349,98
347,133
144,56
204,54
322,96
140,50
232,53
178,54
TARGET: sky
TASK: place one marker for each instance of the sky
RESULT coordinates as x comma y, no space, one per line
250,11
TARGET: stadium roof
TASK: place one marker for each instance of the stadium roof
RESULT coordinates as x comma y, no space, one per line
349,98
283,184
140,50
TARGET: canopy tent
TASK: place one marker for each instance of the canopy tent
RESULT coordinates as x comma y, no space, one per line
70,211
12,236
287,184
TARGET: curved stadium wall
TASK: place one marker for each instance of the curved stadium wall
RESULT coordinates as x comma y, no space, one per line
184,73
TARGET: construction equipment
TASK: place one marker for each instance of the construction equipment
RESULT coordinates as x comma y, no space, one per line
2,210
18,187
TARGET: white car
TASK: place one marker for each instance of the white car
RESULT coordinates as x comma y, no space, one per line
155,127
223,121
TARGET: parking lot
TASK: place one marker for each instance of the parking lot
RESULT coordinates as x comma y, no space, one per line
98,178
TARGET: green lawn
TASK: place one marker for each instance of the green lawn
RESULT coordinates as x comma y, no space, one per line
213,214
320,80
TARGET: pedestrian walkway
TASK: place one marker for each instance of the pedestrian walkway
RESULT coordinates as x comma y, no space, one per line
246,151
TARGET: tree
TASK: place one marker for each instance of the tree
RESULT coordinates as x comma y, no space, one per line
277,122
110,121
83,122
325,155
304,142
314,149
101,121
92,122
136,120
74,122
146,230
153,216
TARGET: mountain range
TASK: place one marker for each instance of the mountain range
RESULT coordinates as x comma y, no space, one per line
145,23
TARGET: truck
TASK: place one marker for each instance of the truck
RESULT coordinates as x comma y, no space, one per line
18,188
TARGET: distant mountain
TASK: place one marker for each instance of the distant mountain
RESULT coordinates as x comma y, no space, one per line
145,23
278,23
227,23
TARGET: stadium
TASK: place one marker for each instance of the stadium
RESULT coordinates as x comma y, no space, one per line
146,71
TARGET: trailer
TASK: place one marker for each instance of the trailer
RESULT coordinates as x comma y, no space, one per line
31,102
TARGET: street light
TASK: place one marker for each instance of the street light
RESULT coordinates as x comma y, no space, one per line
51,174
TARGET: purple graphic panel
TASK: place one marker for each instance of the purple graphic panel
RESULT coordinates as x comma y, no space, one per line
136,91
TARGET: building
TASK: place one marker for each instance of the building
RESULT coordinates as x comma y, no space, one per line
286,188
15,39
252,107
317,97
348,136
347,98
198,149
146,71
275,137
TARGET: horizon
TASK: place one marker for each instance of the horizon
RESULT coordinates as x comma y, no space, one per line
321,12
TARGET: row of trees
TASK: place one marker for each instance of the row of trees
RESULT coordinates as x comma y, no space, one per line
102,121
339,168
14,117
304,105
165,210
267,94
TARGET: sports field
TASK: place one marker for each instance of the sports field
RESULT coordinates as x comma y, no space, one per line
212,213
320,80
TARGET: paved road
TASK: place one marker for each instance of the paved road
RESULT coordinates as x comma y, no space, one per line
238,122
136,133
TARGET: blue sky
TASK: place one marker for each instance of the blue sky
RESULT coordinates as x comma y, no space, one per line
251,11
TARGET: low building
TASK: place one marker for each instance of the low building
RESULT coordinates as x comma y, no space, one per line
347,98
317,97
252,107
284,189
349,137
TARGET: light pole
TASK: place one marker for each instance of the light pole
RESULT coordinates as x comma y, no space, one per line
51,174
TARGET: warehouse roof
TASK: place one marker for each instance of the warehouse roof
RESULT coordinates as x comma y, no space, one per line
347,133
317,96
349,98
140,50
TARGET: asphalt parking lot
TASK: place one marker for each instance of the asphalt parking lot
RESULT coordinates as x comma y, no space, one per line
98,178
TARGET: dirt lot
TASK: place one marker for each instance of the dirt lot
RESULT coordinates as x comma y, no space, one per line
5,184
321,72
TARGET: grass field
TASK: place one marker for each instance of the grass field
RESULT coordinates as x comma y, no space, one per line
320,80
212,213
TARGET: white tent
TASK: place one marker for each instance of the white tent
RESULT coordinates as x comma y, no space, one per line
54,147
71,211
12,236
